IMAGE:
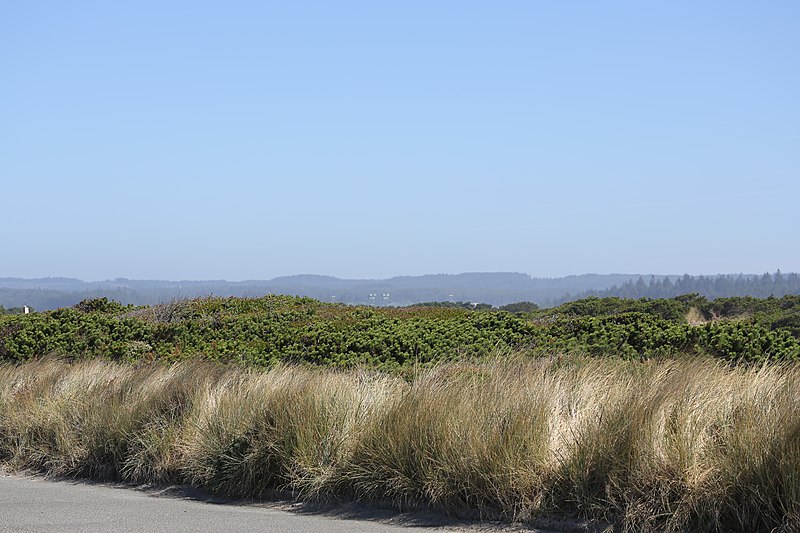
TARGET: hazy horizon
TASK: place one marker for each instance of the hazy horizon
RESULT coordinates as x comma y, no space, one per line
376,278
430,274
492,288
244,141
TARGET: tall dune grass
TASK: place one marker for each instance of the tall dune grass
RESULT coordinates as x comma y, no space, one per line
671,445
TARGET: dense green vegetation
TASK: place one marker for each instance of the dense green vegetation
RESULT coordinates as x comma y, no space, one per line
770,313
266,330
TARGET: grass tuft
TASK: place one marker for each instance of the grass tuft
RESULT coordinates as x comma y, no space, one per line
672,445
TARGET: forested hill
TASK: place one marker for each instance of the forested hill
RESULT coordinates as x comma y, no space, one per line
711,287
495,288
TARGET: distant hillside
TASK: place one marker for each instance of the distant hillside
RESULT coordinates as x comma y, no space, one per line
495,288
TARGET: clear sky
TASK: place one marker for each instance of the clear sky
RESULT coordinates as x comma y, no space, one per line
246,140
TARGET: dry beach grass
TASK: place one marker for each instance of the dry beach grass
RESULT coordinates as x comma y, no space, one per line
661,445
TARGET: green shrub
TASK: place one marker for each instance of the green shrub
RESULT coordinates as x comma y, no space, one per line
267,330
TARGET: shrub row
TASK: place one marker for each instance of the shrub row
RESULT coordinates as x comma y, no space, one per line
267,330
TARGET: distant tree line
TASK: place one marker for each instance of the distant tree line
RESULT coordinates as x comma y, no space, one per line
12,310
518,307
711,287
455,305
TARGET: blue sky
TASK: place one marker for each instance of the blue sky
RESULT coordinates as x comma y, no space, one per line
246,140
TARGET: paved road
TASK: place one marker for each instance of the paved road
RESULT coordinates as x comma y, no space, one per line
38,505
